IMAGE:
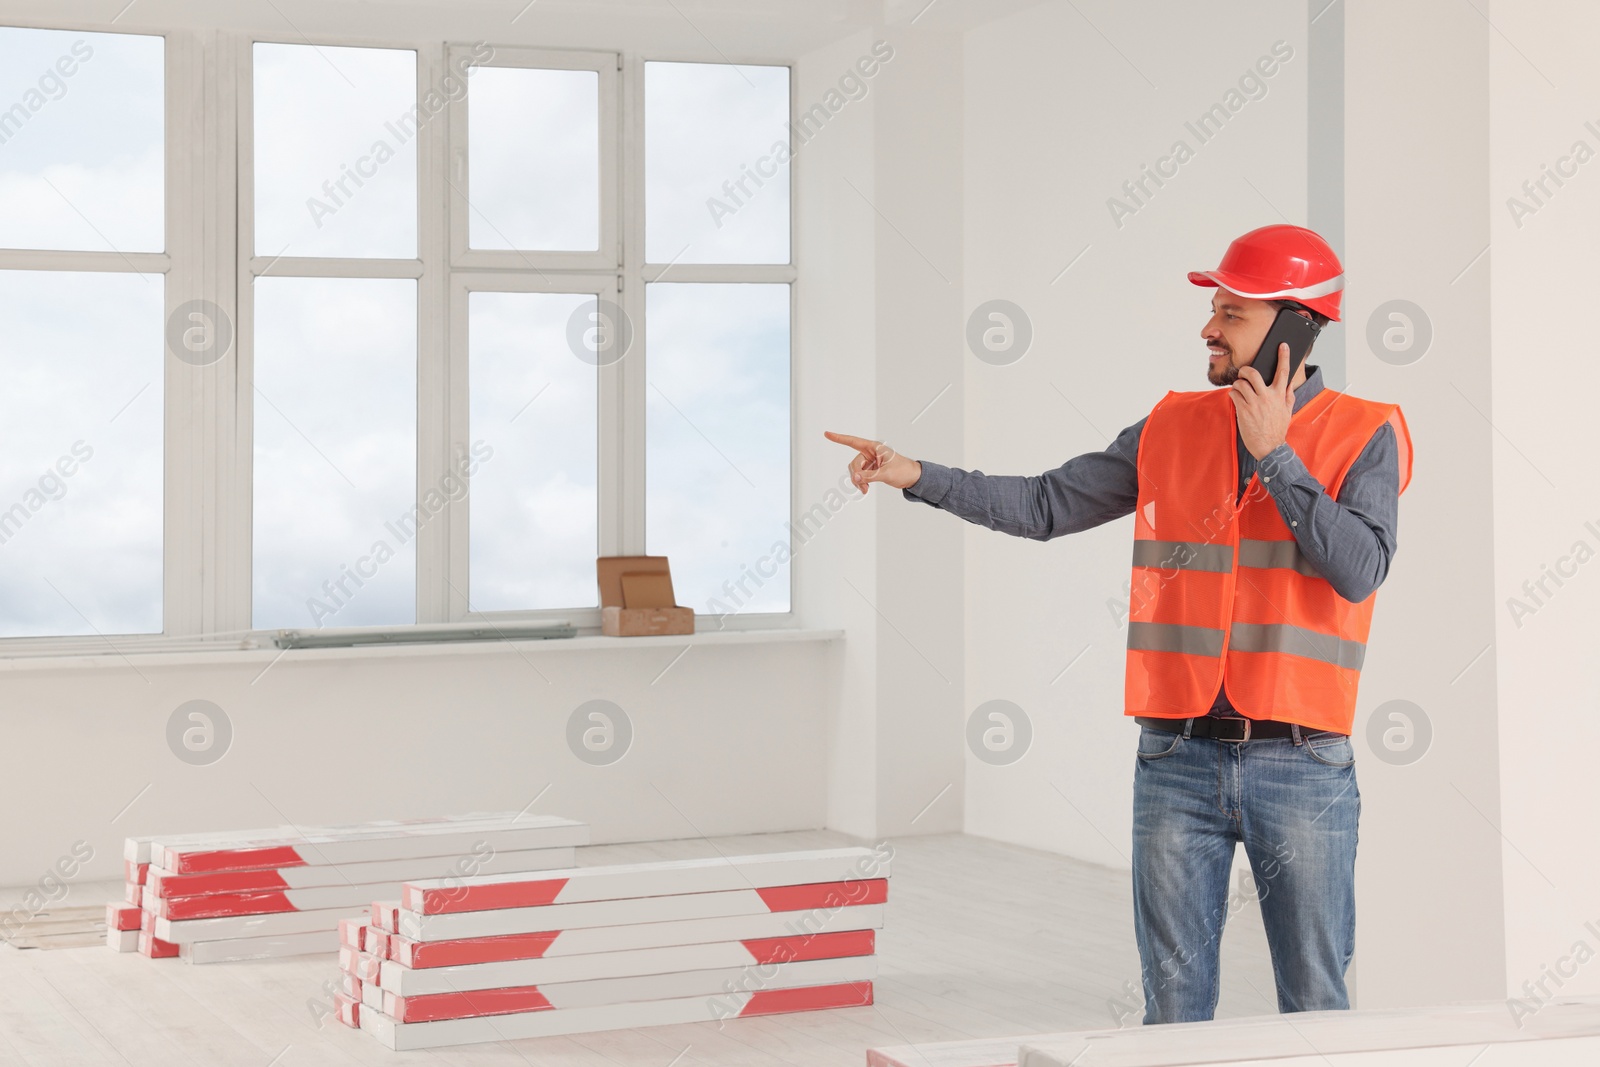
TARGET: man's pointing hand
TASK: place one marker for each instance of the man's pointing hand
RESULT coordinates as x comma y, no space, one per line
877,462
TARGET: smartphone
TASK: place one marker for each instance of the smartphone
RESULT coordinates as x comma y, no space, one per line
1292,327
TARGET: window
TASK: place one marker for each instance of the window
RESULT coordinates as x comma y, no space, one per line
534,232
718,499
335,452
334,355
533,151
82,139
718,337
335,151
535,494
352,335
716,163
82,294
533,137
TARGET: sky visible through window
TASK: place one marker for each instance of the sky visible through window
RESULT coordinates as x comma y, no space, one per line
335,452
335,151
717,422
81,169
717,496
533,137
535,527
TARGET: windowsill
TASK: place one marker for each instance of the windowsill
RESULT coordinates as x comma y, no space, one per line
152,656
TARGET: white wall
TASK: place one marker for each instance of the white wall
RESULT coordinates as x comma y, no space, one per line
1416,151
1058,119
1542,279
919,362
880,234
836,302
729,738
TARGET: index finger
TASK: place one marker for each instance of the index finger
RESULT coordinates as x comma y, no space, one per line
1283,365
860,444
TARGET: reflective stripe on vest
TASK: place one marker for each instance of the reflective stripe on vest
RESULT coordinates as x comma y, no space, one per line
1183,555
1287,554
1204,556
1246,637
1171,637
1296,641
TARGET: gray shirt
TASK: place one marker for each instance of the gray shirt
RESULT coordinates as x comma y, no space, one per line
1350,540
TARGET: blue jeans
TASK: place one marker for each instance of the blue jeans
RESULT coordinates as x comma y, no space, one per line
1295,805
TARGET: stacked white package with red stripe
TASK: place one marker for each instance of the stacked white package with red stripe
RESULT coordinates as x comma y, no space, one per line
122,916
277,892
126,928
498,957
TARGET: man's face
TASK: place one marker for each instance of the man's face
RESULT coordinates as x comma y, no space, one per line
1233,334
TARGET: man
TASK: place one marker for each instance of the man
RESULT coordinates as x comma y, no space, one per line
1253,580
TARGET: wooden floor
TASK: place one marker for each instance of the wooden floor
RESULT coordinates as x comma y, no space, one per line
982,940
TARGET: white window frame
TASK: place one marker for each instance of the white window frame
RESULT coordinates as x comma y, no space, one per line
608,431
606,255
425,269
643,273
208,438
534,271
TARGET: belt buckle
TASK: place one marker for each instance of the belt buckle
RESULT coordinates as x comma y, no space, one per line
1242,718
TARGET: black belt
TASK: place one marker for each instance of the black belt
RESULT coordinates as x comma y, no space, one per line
1225,727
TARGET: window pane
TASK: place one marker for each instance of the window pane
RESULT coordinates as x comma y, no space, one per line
81,121
335,452
716,163
81,473
534,403
717,452
533,147
335,151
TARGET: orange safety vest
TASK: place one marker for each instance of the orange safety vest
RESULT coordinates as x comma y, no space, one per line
1220,591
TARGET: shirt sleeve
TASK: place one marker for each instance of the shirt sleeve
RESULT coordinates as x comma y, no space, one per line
1082,493
1350,541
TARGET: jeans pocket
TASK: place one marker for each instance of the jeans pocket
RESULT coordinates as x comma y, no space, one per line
1332,750
1155,744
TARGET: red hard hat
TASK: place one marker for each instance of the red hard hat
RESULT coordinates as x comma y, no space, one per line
1280,262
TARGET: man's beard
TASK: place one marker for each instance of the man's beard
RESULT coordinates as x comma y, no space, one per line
1225,368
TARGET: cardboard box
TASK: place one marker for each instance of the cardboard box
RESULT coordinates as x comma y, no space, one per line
636,598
